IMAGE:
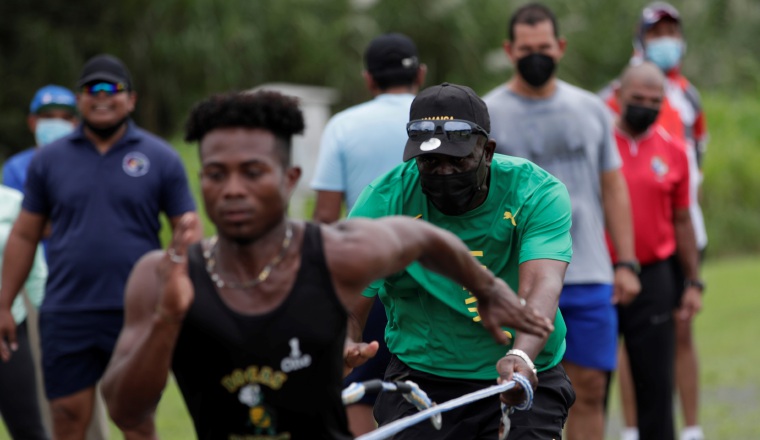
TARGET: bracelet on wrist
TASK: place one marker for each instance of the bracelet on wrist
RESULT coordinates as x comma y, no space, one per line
524,356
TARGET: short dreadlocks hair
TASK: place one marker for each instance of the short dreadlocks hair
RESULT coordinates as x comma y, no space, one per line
263,109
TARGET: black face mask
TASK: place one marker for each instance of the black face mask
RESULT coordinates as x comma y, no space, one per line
453,194
536,68
105,133
640,118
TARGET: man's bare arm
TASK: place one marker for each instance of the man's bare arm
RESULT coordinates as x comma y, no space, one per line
688,258
328,205
158,294
360,251
619,222
541,283
140,364
356,351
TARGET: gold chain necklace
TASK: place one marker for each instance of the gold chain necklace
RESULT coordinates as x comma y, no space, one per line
210,255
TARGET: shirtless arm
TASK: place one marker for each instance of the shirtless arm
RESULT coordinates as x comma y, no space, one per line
360,251
158,294
328,205
540,284
619,221
688,258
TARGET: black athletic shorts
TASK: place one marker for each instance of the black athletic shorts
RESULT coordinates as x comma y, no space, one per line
480,419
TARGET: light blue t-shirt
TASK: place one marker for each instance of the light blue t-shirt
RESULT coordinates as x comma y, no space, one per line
361,143
569,135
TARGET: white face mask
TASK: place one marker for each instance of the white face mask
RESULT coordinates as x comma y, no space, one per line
51,129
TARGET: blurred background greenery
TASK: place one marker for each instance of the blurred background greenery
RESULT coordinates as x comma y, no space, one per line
180,51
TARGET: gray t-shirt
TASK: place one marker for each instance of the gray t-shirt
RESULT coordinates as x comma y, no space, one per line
569,135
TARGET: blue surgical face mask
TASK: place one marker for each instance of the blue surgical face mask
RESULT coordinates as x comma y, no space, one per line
666,52
51,129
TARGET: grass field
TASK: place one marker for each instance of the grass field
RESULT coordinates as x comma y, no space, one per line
726,332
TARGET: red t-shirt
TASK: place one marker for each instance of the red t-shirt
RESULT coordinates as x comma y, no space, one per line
656,170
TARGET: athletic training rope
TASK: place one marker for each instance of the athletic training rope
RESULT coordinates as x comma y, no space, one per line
410,390
399,425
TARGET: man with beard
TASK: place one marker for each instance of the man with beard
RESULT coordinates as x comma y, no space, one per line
515,218
656,169
102,188
568,132
253,321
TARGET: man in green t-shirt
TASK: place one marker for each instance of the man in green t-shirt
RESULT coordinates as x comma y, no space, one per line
515,218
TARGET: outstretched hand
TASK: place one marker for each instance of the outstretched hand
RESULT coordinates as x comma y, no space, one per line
504,308
357,353
176,288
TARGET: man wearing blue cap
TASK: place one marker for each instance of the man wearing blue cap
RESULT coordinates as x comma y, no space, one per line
103,188
52,115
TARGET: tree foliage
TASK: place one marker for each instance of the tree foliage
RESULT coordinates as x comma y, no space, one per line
182,50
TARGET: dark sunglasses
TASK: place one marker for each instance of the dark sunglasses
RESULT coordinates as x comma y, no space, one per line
110,89
456,130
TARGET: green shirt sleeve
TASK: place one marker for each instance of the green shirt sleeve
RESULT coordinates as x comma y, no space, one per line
546,231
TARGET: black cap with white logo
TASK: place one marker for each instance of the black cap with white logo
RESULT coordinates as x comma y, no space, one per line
446,102
392,56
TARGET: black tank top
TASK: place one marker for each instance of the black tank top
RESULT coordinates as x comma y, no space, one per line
272,376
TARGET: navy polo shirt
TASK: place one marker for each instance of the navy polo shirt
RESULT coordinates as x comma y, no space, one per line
104,210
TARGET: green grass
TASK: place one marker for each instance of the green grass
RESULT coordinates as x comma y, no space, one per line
731,181
725,332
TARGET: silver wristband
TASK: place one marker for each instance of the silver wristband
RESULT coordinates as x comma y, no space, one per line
524,356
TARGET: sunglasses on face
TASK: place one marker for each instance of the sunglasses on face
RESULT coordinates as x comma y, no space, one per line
110,89
456,130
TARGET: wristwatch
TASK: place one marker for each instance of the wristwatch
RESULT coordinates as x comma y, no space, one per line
524,356
699,284
633,265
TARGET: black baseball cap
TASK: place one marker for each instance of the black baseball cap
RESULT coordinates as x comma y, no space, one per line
392,56
445,102
105,67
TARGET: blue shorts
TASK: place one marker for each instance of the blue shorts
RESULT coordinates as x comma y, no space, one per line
76,348
592,325
374,368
